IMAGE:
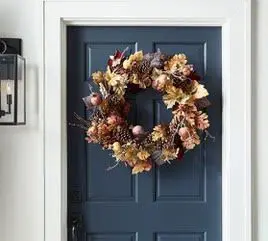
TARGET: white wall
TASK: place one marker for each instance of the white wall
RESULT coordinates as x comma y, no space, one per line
21,148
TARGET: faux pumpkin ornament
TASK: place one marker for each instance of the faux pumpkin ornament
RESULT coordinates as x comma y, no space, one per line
182,93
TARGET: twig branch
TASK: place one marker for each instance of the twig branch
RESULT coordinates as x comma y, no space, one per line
82,120
114,166
79,126
209,135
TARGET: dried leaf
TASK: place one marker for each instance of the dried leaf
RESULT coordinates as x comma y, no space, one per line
200,91
176,62
189,137
117,147
202,121
87,102
117,81
185,112
202,103
184,133
134,79
143,155
131,154
159,133
98,77
136,57
169,154
156,59
174,95
103,91
115,59
141,167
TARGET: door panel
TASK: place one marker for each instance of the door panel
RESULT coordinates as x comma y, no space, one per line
181,201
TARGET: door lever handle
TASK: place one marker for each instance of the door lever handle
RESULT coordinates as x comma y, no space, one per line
75,229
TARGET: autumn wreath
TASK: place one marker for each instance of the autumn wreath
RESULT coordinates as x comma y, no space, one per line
132,145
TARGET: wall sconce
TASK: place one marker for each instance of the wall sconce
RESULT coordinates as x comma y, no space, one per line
12,83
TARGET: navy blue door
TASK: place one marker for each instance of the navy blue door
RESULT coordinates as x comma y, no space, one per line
177,202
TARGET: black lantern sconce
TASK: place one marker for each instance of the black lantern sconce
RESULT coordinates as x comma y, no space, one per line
12,83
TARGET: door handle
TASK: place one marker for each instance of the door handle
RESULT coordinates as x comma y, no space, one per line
76,224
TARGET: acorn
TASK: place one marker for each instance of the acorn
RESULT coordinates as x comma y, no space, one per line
95,99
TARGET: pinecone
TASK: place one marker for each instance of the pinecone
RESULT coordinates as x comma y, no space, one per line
159,145
114,100
148,141
96,116
122,134
145,66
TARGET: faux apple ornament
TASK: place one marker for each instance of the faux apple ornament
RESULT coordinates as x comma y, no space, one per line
137,130
95,99
160,82
162,79
186,71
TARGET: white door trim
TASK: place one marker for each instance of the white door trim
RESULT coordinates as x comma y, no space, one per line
234,17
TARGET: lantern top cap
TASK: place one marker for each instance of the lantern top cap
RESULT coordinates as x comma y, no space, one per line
10,46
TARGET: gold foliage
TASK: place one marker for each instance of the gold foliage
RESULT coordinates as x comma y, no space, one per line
159,133
199,91
143,155
134,58
169,154
141,167
175,95
176,62
118,82
98,77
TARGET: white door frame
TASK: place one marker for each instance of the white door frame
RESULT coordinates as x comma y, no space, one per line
234,17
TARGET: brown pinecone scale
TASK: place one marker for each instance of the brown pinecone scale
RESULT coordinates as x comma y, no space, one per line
148,141
114,100
145,66
123,134
96,116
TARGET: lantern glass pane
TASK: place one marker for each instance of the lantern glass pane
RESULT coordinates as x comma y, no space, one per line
7,88
21,90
